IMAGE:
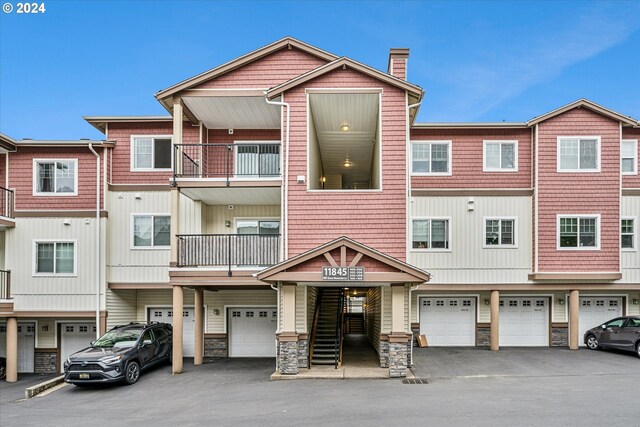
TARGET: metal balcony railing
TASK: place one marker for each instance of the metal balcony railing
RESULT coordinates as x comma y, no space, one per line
5,284
6,202
226,161
227,250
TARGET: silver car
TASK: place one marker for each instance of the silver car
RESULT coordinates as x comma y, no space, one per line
622,333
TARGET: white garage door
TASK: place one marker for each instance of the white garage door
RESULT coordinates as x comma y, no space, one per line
26,345
448,321
165,315
252,332
75,337
595,311
524,322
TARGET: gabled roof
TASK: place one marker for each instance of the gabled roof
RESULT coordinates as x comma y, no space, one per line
585,103
99,122
408,272
345,62
7,143
63,143
243,60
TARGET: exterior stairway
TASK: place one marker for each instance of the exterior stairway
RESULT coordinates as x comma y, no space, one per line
356,323
325,347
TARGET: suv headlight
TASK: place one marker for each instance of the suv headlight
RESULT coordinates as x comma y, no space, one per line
112,360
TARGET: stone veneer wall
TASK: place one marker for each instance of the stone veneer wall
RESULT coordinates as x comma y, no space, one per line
46,361
559,336
303,353
483,336
288,357
398,359
384,354
215,347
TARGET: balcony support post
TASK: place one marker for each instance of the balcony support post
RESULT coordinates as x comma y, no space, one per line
178,308
12,350
199,326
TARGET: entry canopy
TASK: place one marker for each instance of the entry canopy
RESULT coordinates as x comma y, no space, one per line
343,253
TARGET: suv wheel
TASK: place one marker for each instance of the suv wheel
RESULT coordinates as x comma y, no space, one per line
638,348
3,372
132,373
592,343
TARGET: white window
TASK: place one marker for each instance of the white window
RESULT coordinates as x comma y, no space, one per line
629,157
499,232
432,234
151,231
55,177
579,232
500,156
54,258
431,158
628,234
579,154
151,153
256,226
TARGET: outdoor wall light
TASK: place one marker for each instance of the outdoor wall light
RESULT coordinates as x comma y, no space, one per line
347,163
216,312
486,302
227,223
636,301
560,301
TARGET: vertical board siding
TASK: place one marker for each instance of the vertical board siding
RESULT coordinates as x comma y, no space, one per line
51,292
579,193
301,305
632,181
126,264
373,312
376,219
386,310
215,216
630,260
268,71
467,159
2,245
468,261
121,305
21,178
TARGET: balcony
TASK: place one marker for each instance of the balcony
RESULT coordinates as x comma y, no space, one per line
6,208
5,284
227,161
228,251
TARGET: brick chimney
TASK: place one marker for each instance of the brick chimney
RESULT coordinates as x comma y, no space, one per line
398,62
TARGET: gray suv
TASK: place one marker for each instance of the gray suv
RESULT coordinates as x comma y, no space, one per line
622,333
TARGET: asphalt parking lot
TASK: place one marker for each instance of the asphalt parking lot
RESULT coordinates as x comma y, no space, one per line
466,386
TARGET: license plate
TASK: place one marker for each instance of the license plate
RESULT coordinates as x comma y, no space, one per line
84,376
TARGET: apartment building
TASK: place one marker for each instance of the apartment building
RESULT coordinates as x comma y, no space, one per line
289,199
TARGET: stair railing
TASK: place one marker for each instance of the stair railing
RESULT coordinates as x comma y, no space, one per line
339,326
314,327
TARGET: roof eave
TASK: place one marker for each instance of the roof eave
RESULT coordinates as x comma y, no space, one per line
629,121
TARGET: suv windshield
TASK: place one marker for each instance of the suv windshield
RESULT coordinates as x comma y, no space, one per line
121,338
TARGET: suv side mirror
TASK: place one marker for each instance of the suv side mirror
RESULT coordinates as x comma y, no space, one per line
92,343
147,342
604,326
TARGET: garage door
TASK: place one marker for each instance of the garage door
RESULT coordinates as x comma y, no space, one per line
26,345
75,337
524,322
448,321
252,332
165,315
596,310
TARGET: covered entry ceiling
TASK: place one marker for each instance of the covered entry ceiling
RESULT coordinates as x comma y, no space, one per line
331,114
234,112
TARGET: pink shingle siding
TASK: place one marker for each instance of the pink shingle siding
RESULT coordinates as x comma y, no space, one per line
579,193
467,158
267,72
376,219
21,179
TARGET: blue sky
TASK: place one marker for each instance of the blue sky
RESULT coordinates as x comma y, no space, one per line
477,61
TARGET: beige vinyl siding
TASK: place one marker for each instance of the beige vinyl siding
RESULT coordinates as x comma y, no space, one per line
214,216
301,309
634,309
212,300
135,265
52,292
630,261
373,313
386,309
46,336
468,261
121,305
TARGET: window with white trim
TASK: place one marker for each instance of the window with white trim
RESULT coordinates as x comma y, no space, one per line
431,158
55,258
500,156
578,232
151,231
629,157
578,154
430,233
149,153
628,233
55,177
499,232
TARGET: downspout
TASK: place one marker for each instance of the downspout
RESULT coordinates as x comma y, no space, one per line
97,250
408,181
285,181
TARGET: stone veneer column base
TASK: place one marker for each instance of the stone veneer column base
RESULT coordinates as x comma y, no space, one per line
215,346
483,335
288,353
559,335
303,351
384,353
46,361
398,355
